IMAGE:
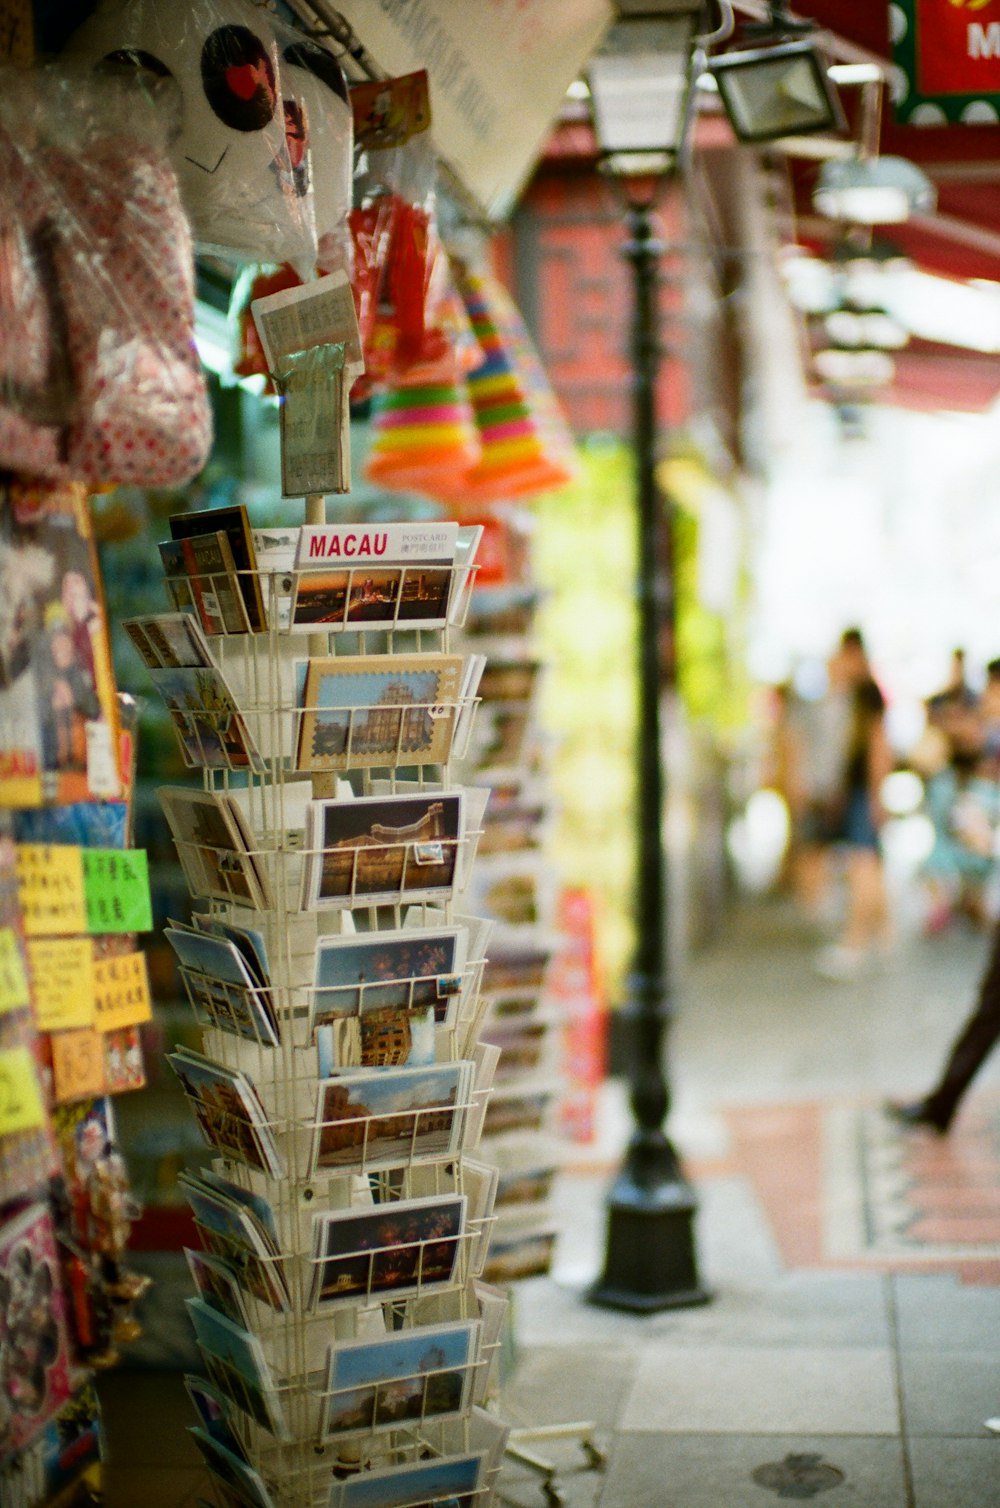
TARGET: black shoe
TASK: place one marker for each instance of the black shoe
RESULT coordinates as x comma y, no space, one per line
918,1115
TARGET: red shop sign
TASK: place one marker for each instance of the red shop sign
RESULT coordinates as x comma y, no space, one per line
958,47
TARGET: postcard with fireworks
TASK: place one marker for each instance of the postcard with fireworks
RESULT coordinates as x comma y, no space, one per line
372,1120
366,711
213,845
372,597
400,1379
228,1110
381,850
405,969
386,1253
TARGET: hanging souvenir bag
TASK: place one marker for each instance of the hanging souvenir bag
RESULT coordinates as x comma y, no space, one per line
99,376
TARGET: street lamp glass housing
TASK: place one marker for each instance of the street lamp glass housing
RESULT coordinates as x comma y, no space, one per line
769,92
640,85
873,191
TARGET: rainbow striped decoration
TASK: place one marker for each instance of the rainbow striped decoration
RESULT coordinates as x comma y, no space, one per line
424,438
526,444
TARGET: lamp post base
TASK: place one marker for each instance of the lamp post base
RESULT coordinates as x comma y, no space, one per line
649,1253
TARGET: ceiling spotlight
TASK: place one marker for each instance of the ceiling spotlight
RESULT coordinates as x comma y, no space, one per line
769,92
873,191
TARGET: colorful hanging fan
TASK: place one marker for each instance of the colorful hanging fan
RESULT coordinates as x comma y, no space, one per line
526,445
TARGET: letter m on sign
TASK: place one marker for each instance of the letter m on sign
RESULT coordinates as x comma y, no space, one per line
984,41
958,48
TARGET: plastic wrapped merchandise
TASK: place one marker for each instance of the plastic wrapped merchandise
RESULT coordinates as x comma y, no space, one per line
258,116
99,376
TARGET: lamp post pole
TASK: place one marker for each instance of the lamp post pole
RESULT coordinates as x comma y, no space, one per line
650,1259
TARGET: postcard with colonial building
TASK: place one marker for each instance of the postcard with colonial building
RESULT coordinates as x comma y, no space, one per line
382,850
365,711
373,1119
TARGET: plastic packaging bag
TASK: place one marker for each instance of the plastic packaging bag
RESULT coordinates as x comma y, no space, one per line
99,377
259,120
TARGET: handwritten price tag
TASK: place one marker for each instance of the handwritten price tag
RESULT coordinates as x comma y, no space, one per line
62,976
50,887
21,1107
121,989
116,882
14,993
77,1065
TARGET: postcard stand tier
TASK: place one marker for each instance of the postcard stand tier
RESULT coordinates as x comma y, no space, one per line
349,1343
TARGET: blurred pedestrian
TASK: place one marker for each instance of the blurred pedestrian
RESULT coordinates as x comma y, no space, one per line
856,815
969,1052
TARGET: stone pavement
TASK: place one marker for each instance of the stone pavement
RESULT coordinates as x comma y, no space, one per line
851,1352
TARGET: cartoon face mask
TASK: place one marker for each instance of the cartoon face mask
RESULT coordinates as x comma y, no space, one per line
249,134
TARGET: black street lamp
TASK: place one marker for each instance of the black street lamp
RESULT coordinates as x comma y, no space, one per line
640,87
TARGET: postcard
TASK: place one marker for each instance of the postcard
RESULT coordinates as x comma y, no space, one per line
276,549
372,596
228,1111
218,1283
171,640
403,969
215,591
212,846
235,524
175,576
393,1251
450,1481
362,711
249,942
34,1354
381,850
210,726
387,1036
425,541
232,1473
235,1232
221,987
372,1120
213,1407
59,726
235,1361
410,1375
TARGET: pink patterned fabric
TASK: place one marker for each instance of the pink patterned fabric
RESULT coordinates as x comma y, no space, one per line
99,377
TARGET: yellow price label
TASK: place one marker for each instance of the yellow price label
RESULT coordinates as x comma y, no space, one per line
50,888
21,1104
14,992
77,1065
62,974
121,992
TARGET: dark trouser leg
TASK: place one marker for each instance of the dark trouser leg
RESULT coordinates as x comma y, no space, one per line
978,1037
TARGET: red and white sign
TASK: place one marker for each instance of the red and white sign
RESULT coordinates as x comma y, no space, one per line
958,47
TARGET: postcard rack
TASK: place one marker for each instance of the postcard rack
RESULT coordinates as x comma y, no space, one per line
349,1341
